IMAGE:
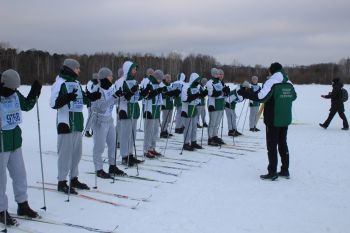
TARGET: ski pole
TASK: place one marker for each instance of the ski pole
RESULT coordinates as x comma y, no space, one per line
2,150
202,128
41,155
88,122
116,137
222,128
245,118
140,130
171,127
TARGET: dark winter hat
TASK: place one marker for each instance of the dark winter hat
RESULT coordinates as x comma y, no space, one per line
104,72
274,67
10,78
204,81
71,63
336,80
159,75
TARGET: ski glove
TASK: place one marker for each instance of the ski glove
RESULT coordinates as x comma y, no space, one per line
216,93
35,90
134,88
72,96
203,93
226,90
118,93
94,95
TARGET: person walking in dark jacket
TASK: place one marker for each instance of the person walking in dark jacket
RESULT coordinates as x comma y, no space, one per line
337,104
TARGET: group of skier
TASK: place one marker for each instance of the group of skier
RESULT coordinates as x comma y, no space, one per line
159,97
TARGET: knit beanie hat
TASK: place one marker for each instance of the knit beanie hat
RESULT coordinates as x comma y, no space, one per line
10,78
255,79
214,72
149,71
274,67
220,71
104,72
204,81
159,75
71,63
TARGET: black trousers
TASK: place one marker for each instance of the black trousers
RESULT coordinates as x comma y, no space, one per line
332,114
276,137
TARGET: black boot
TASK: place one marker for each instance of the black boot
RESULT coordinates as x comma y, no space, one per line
251,129
212,142
164,135
256,129
24,210
128,161
199,126
323,126
63,187
218,140
205,125
269,176
88,134
75,183
102,174
231,133
113,169
135,160
10,221
284,174
188,147
195,145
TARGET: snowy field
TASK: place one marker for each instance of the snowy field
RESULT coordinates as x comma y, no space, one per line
211,193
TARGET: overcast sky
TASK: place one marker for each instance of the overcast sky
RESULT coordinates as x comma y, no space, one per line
249,31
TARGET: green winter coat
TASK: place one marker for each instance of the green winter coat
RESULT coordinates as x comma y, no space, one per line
12,139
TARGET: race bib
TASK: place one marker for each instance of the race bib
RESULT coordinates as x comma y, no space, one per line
195,91
108,94
76,105
11,114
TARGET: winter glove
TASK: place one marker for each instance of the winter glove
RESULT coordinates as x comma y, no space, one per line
160,90
35,90
226,90
164,90
94,95
178,92
118,93
227,105
65,99
242,92
192,97
204,93
216,93
134,88
72,96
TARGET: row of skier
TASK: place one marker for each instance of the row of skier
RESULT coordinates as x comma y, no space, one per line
159,96
68,98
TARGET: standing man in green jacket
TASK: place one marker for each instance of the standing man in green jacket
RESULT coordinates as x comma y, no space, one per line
278,95
68,98
12,103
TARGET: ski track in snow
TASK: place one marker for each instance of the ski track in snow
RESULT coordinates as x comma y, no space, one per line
222,195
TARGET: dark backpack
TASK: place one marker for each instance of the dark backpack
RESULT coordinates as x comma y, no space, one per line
344,95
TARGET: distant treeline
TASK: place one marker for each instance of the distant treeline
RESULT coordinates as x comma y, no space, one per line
35,64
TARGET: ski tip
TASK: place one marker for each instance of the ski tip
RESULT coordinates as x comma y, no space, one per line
135,206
